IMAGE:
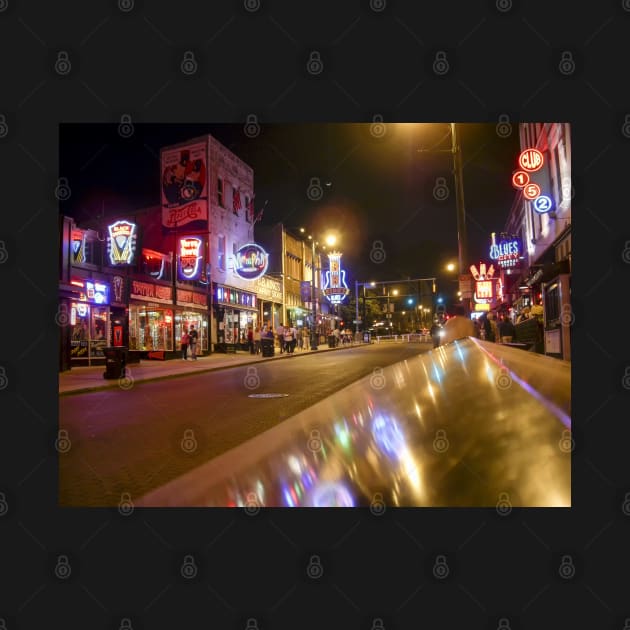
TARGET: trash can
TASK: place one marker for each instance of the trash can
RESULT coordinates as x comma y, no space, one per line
331,341
266,347
115,362
366,337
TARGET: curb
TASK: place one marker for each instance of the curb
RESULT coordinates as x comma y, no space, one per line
113,383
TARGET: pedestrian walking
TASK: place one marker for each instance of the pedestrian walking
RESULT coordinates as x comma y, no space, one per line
289,339
494,331
300,340
184,344
280,335
250,340
192,342
436,329
257,338
506,329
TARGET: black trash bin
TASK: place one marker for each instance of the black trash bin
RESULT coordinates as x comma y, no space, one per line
331,341
266,347
115,362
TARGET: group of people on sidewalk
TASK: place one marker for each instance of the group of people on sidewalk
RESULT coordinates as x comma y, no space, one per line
189,342
487,327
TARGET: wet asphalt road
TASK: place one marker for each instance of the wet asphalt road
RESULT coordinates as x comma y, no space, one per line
136,440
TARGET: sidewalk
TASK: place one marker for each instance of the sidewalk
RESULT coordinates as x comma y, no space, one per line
80,380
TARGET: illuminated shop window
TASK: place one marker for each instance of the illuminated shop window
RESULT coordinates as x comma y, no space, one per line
150,328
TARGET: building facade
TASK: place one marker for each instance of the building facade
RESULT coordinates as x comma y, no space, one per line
543,225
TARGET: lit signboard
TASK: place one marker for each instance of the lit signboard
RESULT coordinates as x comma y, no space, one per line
520,179
91,291
483,289
251,261
78,246
121,244
531,191
542,204
484,283
531,160
335,288
506,251
190,257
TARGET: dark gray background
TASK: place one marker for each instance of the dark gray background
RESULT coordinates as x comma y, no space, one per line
503,59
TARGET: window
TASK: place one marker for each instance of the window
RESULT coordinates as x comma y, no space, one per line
221,252
150,328
220,199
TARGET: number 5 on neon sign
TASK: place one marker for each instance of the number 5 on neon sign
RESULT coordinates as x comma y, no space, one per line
542,204
531,191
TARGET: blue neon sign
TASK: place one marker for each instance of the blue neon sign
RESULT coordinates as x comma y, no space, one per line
542,204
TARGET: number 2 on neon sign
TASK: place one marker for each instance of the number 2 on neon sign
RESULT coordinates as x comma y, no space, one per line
542,204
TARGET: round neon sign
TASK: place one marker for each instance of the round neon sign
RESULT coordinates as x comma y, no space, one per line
531,191
531,160
542,204
251,261
520,179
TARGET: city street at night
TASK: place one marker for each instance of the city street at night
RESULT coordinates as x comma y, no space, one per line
417,276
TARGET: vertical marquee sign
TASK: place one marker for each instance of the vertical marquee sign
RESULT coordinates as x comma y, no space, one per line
185,187
485,282
335,288
121,243
190,258
531,161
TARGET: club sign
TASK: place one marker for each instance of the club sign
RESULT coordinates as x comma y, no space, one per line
531,160
251,261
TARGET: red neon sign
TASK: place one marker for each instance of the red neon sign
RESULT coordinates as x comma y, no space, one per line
531,160
531,191
520,179
483,289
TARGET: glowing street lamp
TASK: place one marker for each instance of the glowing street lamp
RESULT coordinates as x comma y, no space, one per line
330,239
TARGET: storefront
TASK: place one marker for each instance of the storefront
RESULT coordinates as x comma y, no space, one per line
269,293
151,320
192,310
88,314
234,311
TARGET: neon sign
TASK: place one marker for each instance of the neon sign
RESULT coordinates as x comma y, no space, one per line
97,292
78,246
520,179
531,191
506,252
335,288
531,160
251,261
484,285
121,244
190,257
542,204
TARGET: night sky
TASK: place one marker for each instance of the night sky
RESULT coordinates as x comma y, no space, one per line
381,188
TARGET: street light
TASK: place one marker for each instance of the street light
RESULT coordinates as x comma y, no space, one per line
331,239
456,152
